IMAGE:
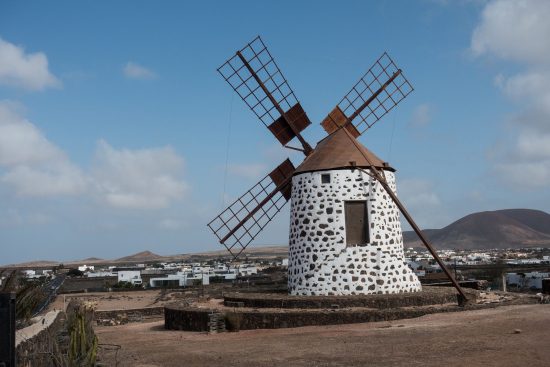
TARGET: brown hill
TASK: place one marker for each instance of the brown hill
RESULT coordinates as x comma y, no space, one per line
33,264
509,228
92,260
141,256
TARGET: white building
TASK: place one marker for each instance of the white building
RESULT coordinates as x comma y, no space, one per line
345,234
171,280
227,273
33,274
84,268
247,269
201,269
29,273
129,276
526,280
97,274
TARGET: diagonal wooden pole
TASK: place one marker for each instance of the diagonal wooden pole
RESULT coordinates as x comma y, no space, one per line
376,175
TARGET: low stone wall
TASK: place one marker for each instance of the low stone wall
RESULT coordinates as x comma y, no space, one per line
117,317
272,310
370,309
78,285
428,296
472,284
247,320
193,319
200,319
38,349
67,340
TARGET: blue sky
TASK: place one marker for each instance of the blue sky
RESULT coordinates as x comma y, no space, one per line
117,134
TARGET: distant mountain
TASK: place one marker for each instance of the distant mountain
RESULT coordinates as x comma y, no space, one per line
33,264
141,256
509,228
92,259
148,256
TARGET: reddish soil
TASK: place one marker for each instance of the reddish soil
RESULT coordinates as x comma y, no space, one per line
503,336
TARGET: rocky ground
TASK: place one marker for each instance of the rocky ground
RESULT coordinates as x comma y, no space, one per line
514,335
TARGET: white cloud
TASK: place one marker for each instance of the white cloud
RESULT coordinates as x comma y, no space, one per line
142,179
27,71
422,115
421,199
33,165
61,178
514,30
527,163
20,141
135,71
418,192
519,31
525,175
533,145
531,89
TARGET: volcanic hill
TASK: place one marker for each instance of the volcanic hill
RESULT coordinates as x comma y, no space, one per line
141,256
508,228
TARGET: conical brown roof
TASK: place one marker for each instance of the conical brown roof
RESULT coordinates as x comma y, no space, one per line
338,150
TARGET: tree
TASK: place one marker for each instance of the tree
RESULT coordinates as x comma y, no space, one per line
75,273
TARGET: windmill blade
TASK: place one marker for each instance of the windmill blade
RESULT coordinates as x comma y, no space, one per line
247,216
378,91
257,79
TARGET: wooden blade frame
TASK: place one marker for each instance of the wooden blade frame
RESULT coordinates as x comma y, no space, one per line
378,91
257,79
247,216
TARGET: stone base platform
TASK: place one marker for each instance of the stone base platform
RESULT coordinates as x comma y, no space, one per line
243,311
428,296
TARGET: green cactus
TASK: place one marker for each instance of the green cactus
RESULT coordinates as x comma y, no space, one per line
83,342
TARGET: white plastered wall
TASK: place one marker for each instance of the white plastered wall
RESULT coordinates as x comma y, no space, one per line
320,262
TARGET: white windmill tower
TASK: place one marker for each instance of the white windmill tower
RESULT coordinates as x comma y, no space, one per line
345,234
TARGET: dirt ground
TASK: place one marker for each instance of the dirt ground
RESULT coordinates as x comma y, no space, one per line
503,336
106,301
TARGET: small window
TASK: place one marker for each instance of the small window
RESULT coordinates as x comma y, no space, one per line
357,227
325,178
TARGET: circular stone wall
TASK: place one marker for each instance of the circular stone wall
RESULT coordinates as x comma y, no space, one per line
430,295
320,260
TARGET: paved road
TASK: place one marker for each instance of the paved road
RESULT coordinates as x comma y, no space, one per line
51,289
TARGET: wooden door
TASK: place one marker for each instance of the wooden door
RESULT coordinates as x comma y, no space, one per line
356,222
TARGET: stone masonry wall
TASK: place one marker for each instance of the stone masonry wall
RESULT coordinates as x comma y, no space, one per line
320,262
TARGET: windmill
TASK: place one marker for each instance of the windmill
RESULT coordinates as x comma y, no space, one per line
345,235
